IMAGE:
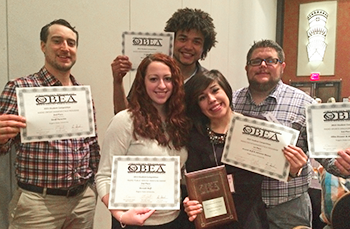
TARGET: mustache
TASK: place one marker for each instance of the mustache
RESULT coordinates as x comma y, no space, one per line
263,72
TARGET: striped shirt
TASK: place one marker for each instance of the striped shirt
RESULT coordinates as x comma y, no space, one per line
52,164
287,105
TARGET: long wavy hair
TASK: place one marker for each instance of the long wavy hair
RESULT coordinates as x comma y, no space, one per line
195,87
146,120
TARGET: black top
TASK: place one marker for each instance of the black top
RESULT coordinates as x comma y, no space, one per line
247,197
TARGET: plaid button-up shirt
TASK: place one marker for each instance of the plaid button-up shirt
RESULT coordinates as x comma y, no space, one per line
52,164
287,105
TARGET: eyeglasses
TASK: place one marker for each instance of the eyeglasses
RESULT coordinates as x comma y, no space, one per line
268,61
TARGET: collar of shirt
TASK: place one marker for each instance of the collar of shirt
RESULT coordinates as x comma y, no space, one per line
274,94
198,66
51,80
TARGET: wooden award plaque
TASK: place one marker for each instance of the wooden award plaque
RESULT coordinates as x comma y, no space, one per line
210,187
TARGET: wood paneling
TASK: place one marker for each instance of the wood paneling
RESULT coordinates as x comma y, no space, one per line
290,42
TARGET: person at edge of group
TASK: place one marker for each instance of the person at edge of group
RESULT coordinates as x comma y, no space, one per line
55,178
209,101
288,204
194,37
154,124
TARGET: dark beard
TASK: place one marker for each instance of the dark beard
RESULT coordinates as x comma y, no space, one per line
263,87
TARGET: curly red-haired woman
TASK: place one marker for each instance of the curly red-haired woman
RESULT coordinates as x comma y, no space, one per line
154,124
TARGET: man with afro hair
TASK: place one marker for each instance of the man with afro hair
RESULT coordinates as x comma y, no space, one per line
194,37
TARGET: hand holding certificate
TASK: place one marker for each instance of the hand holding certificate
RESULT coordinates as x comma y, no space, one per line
328,129
137,45
54,113
256,145
152,182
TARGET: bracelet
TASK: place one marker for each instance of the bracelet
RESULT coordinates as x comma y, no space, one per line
120,220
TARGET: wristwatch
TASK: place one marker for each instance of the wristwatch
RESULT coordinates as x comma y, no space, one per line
297,174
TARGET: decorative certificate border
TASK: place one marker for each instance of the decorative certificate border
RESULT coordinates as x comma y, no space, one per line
137,45
240,149
123,183
84,131
328,129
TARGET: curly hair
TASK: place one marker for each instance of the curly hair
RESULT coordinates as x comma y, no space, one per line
146,120
187,19
195,88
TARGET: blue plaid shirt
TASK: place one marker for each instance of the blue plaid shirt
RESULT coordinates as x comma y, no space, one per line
287,105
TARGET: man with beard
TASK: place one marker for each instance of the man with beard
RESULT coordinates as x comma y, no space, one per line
288,204
54,177
194,37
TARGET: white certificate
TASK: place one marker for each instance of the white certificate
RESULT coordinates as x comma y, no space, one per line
137,45
256,145
152,182
328,129
54,113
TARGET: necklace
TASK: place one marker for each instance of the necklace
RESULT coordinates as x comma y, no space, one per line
216,138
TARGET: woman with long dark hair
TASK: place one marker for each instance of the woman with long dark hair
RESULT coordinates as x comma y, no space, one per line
209,105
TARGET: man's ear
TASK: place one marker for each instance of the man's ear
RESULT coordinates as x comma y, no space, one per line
42,46
283,66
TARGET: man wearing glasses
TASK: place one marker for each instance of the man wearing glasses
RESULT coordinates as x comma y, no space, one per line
288,204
